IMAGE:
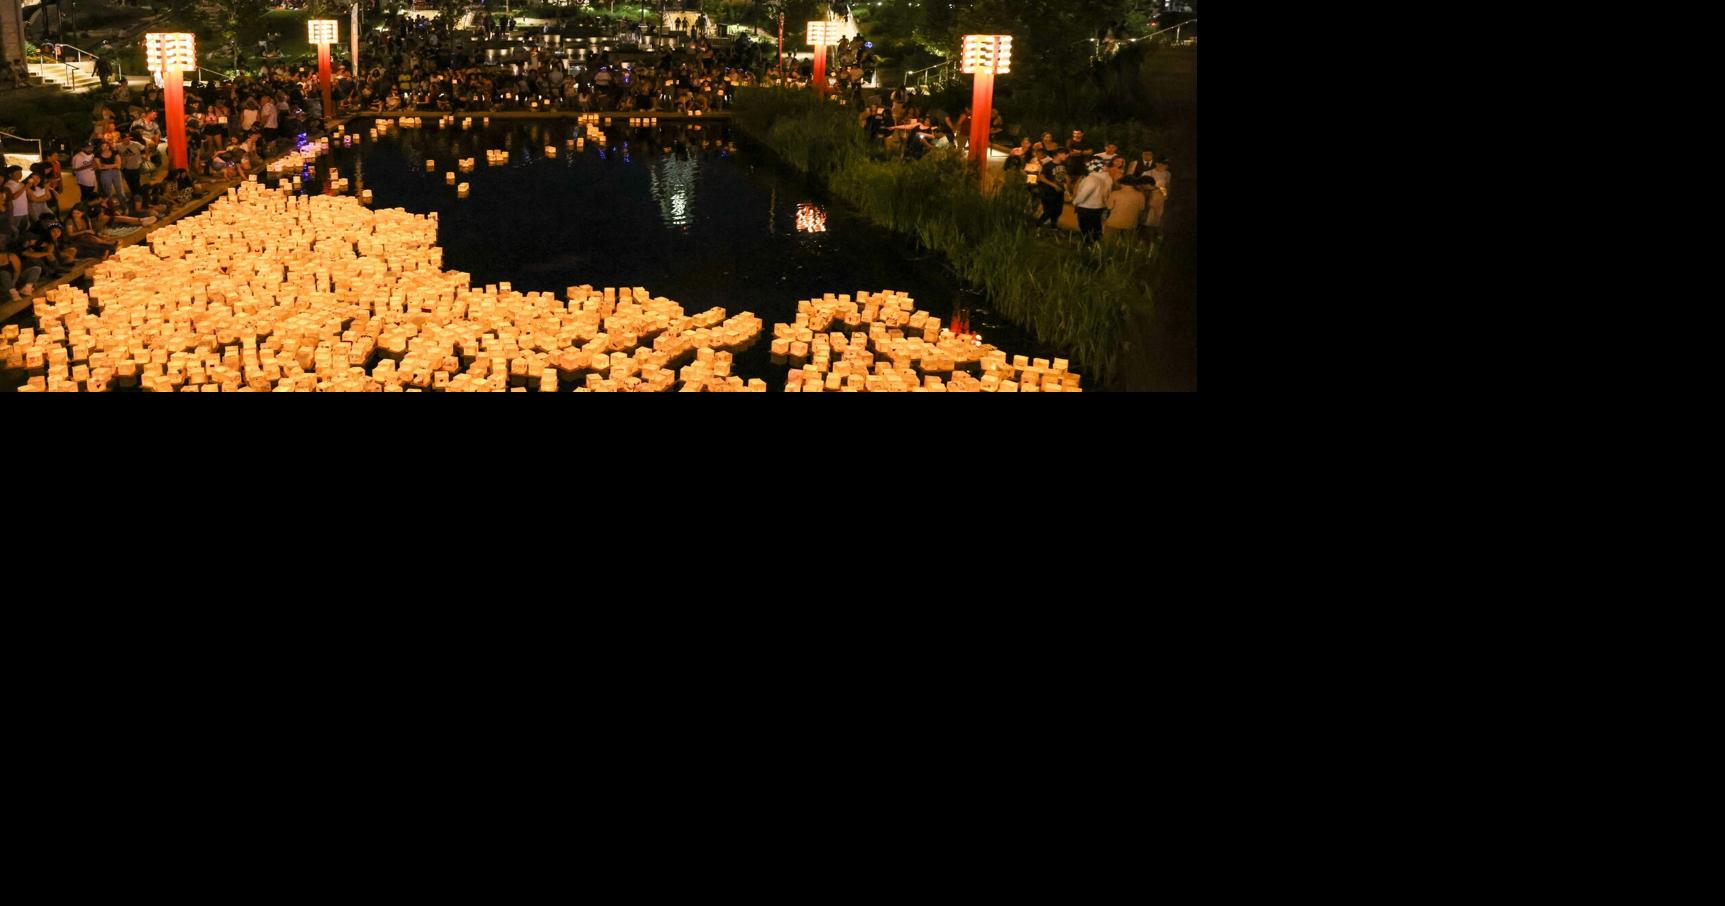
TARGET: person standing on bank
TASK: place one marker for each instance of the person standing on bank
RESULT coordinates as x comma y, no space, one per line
84,171
108,172
1125,205
132,162
1091,200
17,204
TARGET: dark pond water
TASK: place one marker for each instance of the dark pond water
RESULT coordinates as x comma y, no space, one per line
696,215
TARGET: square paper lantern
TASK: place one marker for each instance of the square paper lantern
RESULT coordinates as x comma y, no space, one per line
322,31
987,54
166,52
824,34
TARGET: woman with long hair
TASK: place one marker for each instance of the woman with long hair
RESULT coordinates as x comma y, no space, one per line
108,174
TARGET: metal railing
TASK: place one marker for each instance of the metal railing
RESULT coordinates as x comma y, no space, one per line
1191,31
204,75
1172,36
6,135
119,68
41,64
73,68
932,79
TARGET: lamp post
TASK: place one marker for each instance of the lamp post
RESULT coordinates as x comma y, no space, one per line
323,33
822,35
169,54
985,56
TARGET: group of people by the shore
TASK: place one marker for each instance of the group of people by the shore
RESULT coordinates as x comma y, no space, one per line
121,178
1072,185
1109,195
417,65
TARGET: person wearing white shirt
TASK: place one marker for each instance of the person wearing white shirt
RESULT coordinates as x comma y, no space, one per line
84,170
1091,200
17,203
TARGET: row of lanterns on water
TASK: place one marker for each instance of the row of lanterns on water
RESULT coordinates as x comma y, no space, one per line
300,160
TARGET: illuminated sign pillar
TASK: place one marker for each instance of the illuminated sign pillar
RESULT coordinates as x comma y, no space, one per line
985,56
168,55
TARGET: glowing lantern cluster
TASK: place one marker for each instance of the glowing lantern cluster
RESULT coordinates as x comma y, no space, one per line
988,54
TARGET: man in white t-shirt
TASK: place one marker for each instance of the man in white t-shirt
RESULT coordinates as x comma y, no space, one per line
84,170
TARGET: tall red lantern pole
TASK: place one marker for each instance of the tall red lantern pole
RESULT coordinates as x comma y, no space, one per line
174,95
981,113
985,56
822,34
323,76
168,55
323,33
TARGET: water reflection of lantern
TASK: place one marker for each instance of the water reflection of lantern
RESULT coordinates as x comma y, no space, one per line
811,219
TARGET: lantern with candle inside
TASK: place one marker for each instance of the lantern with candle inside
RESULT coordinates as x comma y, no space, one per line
431,166
985,56
169,55
461,190
449,179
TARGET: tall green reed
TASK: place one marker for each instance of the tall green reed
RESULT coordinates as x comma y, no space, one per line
1064,294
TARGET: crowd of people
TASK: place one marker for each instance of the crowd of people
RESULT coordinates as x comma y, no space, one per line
1109,195
121,174
232,127
415,65
1072,186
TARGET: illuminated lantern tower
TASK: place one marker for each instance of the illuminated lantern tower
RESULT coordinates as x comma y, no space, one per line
168,55
323,33
984,56
823,35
